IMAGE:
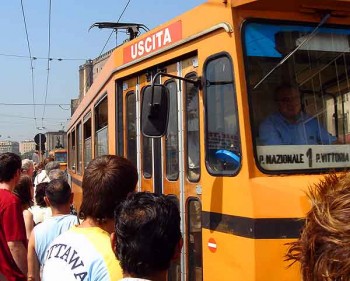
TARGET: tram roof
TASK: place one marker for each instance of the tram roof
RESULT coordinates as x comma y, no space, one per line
337,5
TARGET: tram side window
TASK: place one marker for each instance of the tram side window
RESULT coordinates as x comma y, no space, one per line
72,159
147,163
222,132
79,146
172,137
194,218
131,127
119,121
192,130
101,127
87,140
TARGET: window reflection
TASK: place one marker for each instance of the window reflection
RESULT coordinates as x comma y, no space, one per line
192,117
101,125
131,127
223,142
172,137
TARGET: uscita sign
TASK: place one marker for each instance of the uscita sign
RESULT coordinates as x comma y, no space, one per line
153,42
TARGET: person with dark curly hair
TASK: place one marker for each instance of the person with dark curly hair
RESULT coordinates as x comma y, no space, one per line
323,248
84,252
147,236
40,210
24,191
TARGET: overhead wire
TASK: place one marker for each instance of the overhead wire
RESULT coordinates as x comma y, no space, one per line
40,58
31,62
31,118
48,65
126,6
59,121
47,104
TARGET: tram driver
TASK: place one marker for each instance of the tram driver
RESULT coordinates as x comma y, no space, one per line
290,125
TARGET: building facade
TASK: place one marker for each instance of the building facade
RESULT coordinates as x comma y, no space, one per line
9,146
26,146
88,73
55,140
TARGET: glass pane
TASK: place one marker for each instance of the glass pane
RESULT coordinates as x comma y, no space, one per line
61,157
223,142
147,161
120,124
72,150
195,241
131,127
79,145
87,152
192,117
101,142
101,114
101,127
147,157
174,272
172,138
300,110
87,143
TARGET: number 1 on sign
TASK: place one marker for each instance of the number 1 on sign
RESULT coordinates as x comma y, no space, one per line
309,155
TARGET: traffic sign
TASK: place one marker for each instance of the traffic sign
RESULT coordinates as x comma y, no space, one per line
212,245
40,138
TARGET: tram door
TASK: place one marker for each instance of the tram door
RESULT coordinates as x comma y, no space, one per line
180,161
134,146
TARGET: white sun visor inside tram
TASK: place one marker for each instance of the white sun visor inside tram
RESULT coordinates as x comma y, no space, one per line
325,42
277,40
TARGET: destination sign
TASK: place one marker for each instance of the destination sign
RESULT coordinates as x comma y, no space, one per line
153,42
297,157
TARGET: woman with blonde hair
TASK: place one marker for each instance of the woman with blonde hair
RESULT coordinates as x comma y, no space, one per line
323,249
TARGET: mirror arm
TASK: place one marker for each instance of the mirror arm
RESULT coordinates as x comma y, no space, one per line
197,82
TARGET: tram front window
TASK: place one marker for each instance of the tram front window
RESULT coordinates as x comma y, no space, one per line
299,83
61,157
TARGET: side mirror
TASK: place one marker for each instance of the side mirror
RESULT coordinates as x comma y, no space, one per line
155,111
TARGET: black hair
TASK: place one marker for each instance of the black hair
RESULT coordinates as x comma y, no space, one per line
147,233
40,194
58,192
10,163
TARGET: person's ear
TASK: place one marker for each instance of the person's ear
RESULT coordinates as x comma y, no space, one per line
178,248
18,175
114,243
47,201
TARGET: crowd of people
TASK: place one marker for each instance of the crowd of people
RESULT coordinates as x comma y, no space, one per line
120,234
63,246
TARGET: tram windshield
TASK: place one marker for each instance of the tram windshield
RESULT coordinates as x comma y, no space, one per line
61,157
298,86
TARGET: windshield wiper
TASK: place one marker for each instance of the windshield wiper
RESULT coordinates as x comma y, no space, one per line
307,39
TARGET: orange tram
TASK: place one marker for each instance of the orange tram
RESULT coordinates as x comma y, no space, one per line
60,155
211,74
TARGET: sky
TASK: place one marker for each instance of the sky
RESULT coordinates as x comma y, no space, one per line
35,94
